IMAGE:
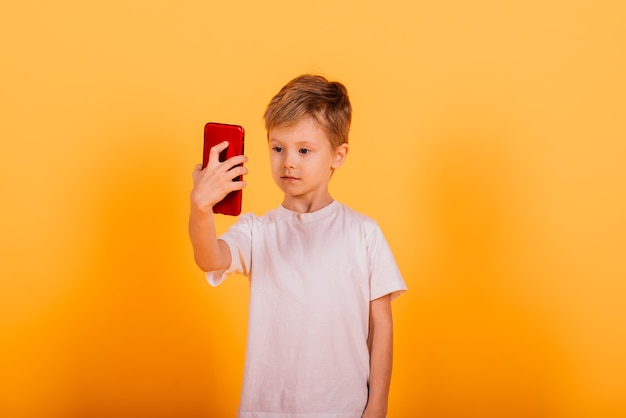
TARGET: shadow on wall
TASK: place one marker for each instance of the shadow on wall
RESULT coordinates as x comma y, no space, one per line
483,350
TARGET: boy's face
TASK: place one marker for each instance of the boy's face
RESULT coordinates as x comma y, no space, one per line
303,160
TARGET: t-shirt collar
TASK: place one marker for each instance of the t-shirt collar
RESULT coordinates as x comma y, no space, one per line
310,216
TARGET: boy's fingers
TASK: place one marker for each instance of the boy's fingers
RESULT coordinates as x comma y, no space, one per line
220,147
215,152
196,172
240,159
231,175
238,185
238,171
235,161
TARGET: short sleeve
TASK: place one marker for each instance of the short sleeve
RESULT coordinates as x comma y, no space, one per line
385,276
239,240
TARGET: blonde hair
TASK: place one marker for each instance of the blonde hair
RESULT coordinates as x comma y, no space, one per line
312,95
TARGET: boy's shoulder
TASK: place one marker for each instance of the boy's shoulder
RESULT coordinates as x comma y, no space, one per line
357,216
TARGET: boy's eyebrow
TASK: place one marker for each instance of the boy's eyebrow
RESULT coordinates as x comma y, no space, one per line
299,143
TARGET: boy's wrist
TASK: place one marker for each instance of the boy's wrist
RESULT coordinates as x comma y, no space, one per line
200,208
374,410
376,405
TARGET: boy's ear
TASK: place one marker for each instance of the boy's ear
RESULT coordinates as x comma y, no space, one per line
341,152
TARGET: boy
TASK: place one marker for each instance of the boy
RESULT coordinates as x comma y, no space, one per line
321,275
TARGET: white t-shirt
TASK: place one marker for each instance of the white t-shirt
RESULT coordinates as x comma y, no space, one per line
312,276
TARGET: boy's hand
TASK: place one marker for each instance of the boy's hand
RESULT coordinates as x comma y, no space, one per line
213,183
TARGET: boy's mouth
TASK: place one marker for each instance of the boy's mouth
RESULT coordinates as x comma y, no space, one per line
289,178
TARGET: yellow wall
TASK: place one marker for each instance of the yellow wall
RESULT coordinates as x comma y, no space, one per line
488,141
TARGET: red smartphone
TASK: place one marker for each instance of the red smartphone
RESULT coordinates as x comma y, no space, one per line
214,133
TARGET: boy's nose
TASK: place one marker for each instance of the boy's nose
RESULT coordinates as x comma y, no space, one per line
288,161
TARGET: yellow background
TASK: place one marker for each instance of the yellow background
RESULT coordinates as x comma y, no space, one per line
488,141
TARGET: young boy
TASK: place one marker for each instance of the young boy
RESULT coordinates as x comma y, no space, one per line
321,275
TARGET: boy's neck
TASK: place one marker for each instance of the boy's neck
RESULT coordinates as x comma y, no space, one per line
306,205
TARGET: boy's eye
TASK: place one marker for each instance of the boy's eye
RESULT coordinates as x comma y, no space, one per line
304,150
277,149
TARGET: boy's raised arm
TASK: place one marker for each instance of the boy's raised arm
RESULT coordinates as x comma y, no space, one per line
210,185
209,252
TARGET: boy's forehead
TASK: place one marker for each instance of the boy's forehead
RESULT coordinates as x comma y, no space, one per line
304,128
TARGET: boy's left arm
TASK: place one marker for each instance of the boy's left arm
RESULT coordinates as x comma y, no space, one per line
380,343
